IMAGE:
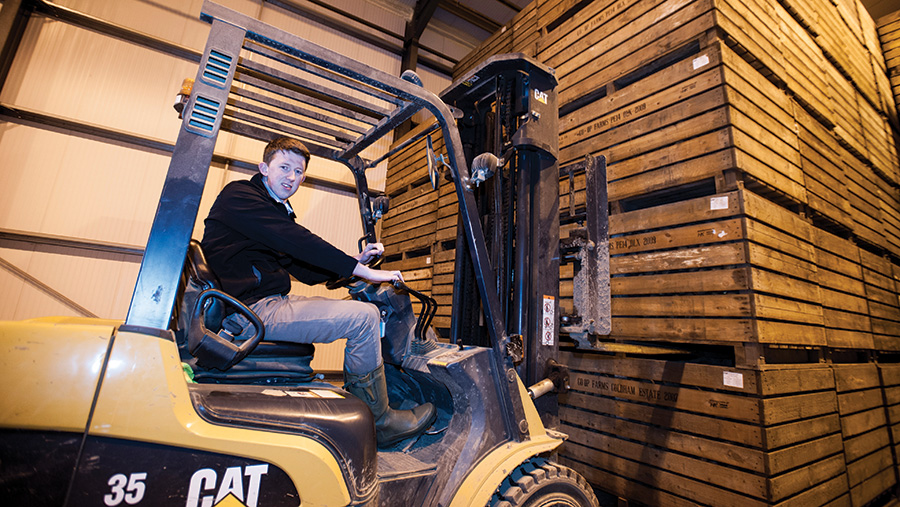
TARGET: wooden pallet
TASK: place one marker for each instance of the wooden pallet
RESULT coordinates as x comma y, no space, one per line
675,433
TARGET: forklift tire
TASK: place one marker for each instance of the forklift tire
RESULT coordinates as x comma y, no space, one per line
542,483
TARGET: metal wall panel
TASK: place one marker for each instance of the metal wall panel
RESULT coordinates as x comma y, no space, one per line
58,182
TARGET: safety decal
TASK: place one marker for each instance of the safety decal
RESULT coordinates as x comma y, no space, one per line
548,321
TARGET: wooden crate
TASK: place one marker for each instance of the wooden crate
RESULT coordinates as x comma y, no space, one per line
678,433
553,13
889,36
698,119
620,39
442,289
864,430
873,45
881,152
890,215
844,304
865,198
727,268
824,174
882,298
838,33
525,31
804,65
889,373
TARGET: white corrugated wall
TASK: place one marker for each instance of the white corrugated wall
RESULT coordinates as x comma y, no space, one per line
56,182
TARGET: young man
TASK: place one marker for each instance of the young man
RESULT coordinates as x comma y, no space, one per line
254,246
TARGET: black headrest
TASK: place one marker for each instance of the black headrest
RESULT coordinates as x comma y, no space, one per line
198,269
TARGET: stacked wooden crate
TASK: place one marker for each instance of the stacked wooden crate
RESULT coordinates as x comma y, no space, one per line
787,98
845,308
881,295
889,38
754,185
865,433
727,268
419,230
676,433
889,375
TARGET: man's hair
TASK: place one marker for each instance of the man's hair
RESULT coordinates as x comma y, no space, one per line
285,144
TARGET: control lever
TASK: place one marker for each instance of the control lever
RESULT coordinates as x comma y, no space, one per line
429,309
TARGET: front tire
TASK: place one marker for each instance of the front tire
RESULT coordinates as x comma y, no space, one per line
542,483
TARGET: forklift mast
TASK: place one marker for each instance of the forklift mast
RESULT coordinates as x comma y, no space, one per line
509,111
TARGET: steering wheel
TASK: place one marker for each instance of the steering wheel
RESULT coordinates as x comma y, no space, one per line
340,283
212,350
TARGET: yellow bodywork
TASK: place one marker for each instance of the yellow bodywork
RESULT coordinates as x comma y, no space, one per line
50,369
145,397
482,481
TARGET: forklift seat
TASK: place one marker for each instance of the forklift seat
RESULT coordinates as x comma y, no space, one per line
269,363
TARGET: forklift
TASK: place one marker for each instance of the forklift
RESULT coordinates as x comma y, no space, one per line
163,409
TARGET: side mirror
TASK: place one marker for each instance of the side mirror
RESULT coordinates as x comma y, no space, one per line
433,175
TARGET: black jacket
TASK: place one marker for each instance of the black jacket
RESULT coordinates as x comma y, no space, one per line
254,246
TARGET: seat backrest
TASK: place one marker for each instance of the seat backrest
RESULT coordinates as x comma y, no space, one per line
270,362
199,272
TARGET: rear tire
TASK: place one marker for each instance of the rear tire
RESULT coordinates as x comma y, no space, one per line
542,483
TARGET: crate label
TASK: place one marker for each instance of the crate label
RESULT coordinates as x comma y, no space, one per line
701,61
427,260
720,202
619,388
547,333
732,379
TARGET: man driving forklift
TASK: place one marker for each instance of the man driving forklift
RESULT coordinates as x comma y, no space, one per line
254,246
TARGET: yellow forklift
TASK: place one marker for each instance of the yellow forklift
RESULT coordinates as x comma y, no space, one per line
162,409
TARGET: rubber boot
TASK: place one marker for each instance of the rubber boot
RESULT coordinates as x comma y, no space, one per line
391,426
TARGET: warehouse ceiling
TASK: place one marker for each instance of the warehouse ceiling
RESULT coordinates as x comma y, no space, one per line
466,22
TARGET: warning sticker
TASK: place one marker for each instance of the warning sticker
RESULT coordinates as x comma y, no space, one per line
548,333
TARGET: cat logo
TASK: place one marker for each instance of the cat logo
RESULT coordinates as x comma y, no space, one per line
207,491
540,96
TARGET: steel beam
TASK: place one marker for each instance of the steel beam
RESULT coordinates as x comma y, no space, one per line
379,42
13,19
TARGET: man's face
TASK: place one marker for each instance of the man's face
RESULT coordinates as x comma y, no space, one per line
284,173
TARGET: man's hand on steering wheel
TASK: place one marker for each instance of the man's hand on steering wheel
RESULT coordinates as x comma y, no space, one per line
376,275
370,252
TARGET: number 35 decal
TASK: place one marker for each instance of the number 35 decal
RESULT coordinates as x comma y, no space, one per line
130,489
